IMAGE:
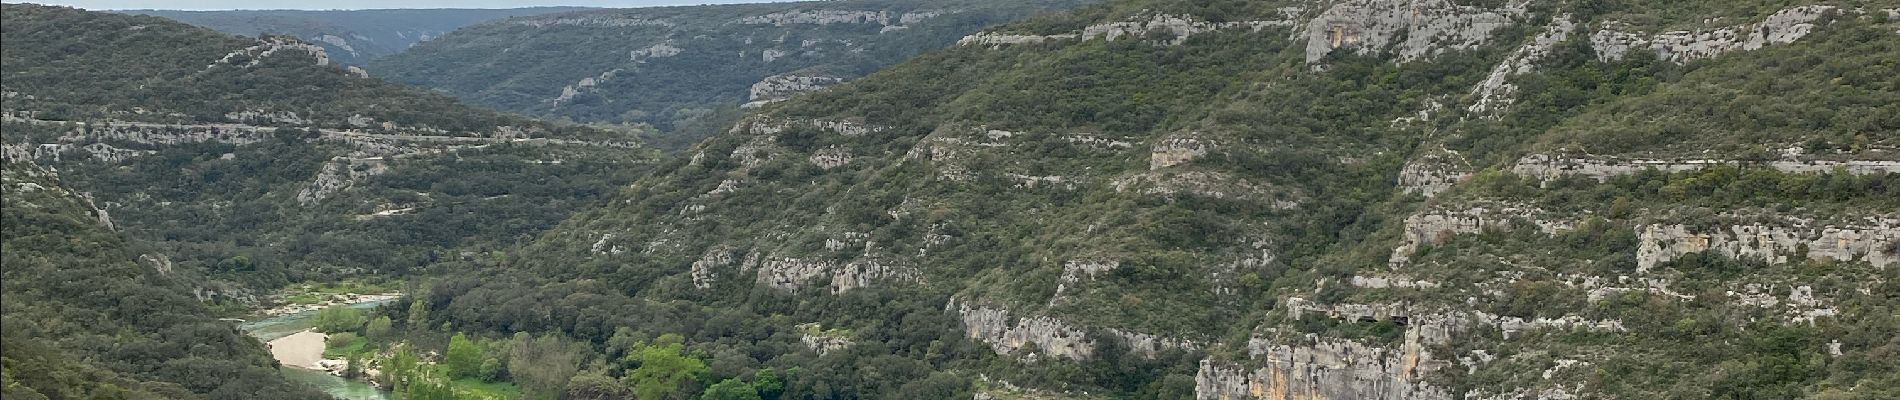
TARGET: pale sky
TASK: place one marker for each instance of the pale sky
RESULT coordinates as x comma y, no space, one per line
362,4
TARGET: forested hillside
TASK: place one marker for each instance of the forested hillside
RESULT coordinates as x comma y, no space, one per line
352,37
88,317
1368,199
686,70
253,163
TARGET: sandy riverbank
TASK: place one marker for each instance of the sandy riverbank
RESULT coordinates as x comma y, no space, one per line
300,350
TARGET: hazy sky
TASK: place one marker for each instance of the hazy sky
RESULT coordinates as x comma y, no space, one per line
361,4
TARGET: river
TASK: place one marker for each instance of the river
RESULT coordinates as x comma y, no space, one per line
285,325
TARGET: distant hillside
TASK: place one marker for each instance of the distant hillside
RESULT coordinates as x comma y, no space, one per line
253,163
352,37
686,68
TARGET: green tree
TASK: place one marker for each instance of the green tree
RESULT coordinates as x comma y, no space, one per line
768,384
664,369
419,309
731,389
542,366
379,329
401,369
464,358
339,319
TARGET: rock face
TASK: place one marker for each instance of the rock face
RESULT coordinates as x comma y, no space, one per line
266,47
780,87
266,117
338,174
792,274
583,86
1319,368
1420,28
1438,226
828,17
1434,172
1496,92
821,341
1877,242
589,20
1547,166
1168,29
1005,334
1783,27
768,127
1172,152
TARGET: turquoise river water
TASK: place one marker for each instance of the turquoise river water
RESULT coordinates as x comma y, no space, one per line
285,325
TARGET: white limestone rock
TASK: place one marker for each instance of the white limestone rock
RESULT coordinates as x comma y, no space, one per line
1552,166
266,47
1616,41
1434,172
1437,226
589,20
1005,334
1427,27
784,86
1875,240
1496,92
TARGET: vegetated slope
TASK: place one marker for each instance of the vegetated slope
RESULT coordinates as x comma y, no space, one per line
1251,199
353,37
88,317
686,68
252,163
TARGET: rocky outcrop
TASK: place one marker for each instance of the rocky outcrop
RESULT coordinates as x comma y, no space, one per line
1616,41
100,152
1075,272
339,174
1312,367
828,17
1800,305
764,126
1149,345
1875,240
1548,166
589,20
266,117
1415,29
792,274
660,50
831,157
1434,172
1207,184
1006,334
1175,29
157,134
583,86
1176,151
997,39
1496,92
1433,227
1391,282
780,87
266,47
1165,28
823,341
